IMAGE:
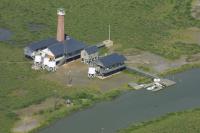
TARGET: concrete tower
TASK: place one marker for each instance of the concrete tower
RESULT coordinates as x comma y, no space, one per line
60,28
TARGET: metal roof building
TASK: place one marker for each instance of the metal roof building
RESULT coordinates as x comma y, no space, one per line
69,47
42,44
110,64
89,54
39,45
91,49
110,60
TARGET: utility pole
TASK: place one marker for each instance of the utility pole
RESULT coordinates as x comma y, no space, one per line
69,78
67,74
55,99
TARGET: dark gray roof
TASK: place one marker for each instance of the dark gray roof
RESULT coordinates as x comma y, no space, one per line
111,60
91,49
68,46
42,44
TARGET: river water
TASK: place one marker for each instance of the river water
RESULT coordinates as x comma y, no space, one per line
133,107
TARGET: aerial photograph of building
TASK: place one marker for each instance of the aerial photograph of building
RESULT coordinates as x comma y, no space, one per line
100,66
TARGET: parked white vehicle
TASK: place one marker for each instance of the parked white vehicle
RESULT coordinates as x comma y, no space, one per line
155,86
151,88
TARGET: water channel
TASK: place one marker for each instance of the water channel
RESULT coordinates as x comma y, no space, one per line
133,107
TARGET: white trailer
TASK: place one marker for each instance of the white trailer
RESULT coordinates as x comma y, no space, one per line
91,72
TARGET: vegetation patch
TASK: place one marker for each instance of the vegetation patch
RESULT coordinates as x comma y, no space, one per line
181,122
179,48
180,69
135,24
139,24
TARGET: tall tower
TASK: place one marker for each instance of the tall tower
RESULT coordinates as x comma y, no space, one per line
60,28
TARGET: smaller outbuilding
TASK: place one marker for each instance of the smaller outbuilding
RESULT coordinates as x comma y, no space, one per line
91,72
89,54
109,65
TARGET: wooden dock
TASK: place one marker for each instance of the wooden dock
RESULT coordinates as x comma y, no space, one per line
134,69
167,82
164,82
139,86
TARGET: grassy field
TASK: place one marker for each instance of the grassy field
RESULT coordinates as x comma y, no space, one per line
19,86
183,122
136,24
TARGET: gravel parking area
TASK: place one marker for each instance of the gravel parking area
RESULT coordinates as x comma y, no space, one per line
78,74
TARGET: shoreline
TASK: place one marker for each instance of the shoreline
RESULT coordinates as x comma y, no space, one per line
140,125
103,97
62,112
180,69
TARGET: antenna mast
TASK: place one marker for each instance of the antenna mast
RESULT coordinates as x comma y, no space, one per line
109,31
108,43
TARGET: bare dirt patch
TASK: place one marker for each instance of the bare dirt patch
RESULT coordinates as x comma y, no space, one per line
30,117
158,64
78,73
34,109
196,9
26,124
193,58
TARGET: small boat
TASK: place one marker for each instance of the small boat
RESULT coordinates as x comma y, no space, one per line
156,86
151,88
